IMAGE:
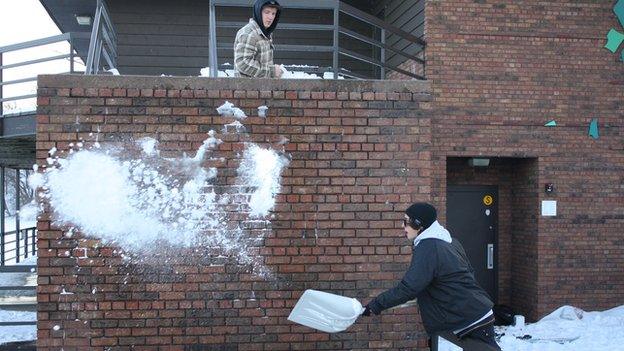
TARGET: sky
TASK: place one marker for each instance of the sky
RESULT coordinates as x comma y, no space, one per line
20,21
23,20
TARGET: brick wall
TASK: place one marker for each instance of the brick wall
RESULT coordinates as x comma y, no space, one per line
360,154
499,72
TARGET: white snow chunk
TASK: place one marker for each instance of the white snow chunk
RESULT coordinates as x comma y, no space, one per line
228,109
262,111
149,146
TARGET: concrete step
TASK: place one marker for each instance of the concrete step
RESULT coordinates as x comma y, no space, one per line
16,287
19,303
19,346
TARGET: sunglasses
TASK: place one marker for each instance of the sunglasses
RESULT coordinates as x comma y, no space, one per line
414,224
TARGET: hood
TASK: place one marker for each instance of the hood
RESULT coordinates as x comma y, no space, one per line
257,15
435,231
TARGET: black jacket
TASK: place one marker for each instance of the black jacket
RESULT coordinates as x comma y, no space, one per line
442,280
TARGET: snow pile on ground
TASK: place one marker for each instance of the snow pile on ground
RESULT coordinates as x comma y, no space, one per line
19,279
568,329
22,332
133,197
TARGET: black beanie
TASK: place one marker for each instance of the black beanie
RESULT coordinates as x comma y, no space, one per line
425,213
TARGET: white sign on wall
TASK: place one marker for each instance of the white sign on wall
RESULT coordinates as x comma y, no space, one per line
549,208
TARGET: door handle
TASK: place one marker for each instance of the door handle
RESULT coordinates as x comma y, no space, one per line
490,256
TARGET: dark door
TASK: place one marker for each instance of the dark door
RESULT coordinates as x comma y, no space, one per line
472,217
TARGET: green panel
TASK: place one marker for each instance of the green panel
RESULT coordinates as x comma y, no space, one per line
552,123
593,129
614,39
619,11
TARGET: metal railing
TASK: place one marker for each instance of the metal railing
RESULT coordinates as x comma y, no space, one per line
71,55
337,7
103,41
18,245
12,242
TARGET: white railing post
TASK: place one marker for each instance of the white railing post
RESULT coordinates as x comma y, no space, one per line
94,39
336,37
212,45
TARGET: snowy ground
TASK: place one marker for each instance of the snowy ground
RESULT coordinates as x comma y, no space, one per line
18,333
568,329
23,332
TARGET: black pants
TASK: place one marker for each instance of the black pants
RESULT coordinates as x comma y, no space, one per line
480,339
485,335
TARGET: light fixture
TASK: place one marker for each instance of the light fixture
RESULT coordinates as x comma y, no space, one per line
83,20
478,162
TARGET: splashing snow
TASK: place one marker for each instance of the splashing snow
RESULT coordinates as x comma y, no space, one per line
228,109
261,169
137,199
148,145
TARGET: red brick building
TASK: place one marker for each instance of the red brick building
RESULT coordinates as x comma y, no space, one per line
361,152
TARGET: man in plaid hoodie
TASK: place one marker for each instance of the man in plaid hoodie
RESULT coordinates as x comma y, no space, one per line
253,47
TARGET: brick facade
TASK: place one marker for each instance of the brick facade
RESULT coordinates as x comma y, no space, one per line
361,152
360,155
499,72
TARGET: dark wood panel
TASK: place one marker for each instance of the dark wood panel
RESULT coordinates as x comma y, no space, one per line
159,7
164,61
409,16
194,71
202,61
398,10
153,18
162,40
17,152
163,37
237,14
162,28
150,50
157,71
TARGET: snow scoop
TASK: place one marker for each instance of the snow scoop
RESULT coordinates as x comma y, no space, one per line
326,312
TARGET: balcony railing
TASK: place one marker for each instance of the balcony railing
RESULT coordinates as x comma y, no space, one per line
20,242
377,57
17,245
103,43
6,69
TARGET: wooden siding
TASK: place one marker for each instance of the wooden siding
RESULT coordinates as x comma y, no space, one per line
408,15
161,37
157,37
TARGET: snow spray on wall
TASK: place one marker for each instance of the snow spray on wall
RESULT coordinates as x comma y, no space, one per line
134,198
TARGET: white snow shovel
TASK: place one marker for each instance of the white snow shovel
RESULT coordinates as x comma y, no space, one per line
326,312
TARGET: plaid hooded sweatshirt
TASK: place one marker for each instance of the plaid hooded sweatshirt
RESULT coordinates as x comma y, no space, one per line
253,52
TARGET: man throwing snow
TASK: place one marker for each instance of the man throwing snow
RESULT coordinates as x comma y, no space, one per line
253,47
440,277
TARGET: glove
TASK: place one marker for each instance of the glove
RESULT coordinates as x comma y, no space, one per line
367,311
